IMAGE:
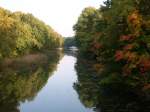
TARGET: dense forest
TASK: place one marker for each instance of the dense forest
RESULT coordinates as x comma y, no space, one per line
113,60
69,41
115,40
23,33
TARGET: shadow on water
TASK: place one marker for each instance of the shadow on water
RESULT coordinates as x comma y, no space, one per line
116,97
22,78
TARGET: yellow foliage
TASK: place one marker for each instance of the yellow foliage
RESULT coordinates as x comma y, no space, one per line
6,23
97,67
135,22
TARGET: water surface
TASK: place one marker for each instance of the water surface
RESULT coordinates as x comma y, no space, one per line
58,95
58,82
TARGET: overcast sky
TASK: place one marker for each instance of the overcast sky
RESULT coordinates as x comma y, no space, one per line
61,15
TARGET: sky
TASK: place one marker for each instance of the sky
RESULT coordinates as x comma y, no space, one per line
61,15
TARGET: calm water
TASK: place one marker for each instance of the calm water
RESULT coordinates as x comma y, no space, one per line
58,82
58,94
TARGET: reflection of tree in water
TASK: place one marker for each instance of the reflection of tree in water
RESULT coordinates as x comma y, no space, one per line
70,52
21,79
115,97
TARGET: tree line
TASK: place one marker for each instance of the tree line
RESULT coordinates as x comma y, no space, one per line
69,42
117,37
22,33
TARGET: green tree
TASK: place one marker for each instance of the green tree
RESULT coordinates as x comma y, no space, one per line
22,33
69,41
116,37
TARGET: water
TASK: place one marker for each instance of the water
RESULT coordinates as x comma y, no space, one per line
58,82
58,94
40,83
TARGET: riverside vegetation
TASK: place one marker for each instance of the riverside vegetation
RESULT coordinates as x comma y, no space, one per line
113,62
22,33
115,41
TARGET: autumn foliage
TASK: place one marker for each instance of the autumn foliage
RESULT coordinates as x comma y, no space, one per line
117,36
22,33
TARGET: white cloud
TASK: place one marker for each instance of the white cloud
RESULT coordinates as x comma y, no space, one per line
59,14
